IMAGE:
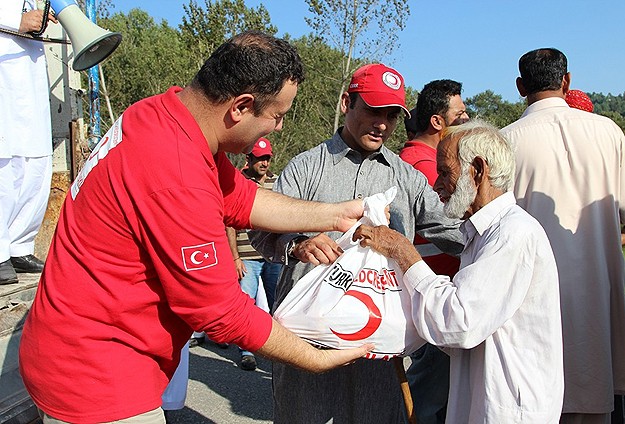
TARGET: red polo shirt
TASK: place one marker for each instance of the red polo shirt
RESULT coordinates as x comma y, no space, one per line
140,257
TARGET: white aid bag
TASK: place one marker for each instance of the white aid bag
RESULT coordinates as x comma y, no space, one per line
360,298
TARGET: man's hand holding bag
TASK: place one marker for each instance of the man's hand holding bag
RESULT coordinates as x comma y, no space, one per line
360,298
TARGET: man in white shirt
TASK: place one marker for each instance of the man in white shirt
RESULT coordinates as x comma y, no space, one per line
25,139
570,176
499,318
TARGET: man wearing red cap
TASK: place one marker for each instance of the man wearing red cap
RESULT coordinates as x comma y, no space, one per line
250,264
354,163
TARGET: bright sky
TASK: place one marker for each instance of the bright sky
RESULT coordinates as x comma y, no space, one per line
476,42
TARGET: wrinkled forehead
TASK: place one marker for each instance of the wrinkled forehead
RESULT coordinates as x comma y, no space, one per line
447,150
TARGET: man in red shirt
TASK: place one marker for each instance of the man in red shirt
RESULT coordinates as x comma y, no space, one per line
439,106
140,256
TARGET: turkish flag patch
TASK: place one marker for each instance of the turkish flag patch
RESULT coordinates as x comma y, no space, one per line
199,257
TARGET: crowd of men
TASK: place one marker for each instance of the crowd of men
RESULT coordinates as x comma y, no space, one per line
526,327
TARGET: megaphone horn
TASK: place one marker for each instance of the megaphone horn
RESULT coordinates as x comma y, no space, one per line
91,43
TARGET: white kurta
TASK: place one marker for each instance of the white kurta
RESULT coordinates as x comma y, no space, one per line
25,135
25,123
499,320
570,177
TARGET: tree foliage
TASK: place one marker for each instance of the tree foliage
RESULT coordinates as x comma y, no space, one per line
310,120
492,108
154,56
203,29
149,60
357,29
611,106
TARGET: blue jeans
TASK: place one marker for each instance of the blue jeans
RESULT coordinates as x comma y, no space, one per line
260,268
256,269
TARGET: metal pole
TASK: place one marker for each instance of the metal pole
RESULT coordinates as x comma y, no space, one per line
94,88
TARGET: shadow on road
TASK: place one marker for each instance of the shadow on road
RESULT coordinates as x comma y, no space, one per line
221,392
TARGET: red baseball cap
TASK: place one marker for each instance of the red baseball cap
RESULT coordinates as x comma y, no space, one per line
579,100
262,148
379,86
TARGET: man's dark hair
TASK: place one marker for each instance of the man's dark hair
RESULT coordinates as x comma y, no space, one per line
542,70
411,124
352,99
252,62
433,100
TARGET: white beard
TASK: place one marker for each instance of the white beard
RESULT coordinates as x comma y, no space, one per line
462,198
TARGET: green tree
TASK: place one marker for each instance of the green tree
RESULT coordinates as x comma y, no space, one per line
611,106
356,28
309,121
150,59
492,108
203,29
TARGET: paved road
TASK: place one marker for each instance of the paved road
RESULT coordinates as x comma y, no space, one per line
222,393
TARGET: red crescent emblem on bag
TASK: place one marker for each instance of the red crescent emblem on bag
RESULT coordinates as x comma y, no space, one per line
375,318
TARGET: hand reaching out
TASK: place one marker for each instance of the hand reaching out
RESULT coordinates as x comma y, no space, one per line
389,243
316,250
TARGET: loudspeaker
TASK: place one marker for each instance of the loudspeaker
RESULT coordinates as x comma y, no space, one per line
91,44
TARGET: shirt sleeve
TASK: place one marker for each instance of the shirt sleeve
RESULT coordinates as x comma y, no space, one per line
184,235
482,296
621,200
238,194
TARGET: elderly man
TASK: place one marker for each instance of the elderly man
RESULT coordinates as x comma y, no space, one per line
570,176
499,318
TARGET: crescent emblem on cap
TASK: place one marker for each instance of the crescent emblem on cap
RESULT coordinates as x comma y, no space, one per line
391,80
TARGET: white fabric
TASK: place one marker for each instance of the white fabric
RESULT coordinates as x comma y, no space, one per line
25,135
24,192
571,177
261,296
175,393
360,298
499,320
25,122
